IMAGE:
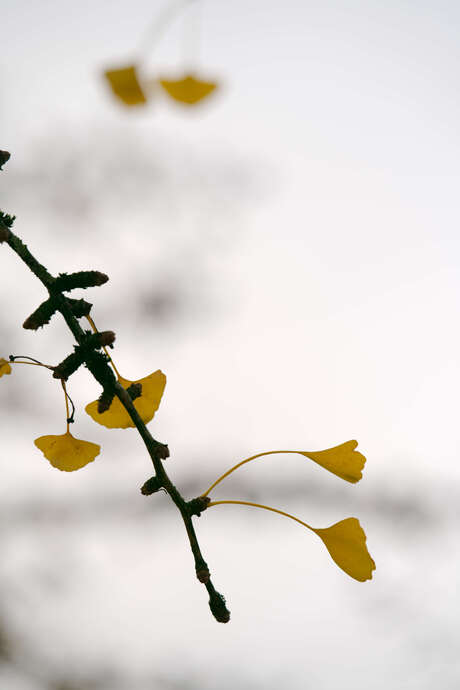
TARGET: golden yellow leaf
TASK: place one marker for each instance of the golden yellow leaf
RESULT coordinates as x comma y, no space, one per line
344,461
146,404
188,90
346,543
67,453
125,85
5,367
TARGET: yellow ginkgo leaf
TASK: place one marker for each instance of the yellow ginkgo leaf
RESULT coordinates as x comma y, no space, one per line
146,404
346,543
66,452
343,460
5,367
125,85
188,90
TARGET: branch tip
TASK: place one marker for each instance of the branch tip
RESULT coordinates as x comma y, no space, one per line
218,608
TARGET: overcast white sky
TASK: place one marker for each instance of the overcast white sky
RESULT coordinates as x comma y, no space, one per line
348,114
309,211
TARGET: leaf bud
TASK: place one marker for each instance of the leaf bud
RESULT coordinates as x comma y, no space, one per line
162,451
81,279
134,390
104,401
40,316
151,486
197,505
106,337
69,365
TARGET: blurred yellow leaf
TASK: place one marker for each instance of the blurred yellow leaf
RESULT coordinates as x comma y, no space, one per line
125,85
346,543
5,367
188,90
67,453
146,404
344,461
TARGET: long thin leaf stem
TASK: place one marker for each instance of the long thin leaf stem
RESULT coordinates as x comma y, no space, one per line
243,462
32,364
66,404
260,505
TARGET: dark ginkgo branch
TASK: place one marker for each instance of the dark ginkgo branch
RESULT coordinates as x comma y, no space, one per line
115,408
87,352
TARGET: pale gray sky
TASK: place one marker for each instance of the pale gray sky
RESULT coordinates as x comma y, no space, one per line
307,216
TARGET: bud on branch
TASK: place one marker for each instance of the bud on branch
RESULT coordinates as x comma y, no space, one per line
81,279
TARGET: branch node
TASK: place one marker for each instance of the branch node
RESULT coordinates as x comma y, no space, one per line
203,574
79,307
162,451
197,505
134,390
151,486
69,365
87,349
105,400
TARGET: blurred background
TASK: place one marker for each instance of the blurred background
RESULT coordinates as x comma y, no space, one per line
286,251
